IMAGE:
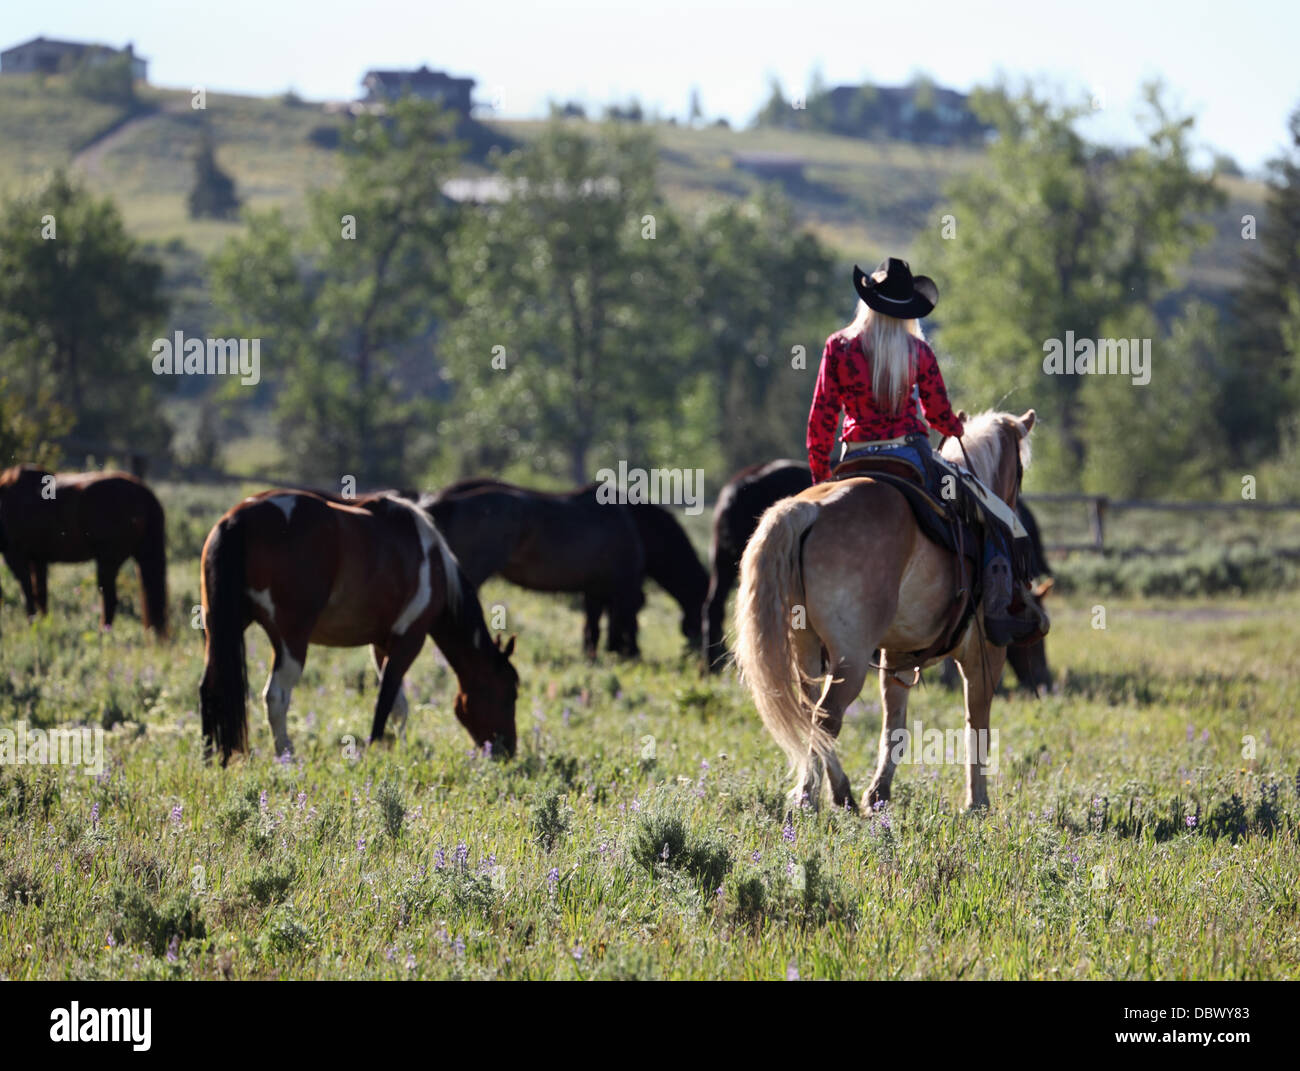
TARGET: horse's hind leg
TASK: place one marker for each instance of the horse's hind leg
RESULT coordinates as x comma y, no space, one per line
593,606
847,677
893,699
401,653
40,585
721,580
106,577
286,671
401,709
21,567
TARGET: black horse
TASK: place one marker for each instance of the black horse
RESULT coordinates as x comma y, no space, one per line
735,516
664,552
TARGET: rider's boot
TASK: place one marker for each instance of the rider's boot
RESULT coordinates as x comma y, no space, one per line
1008,619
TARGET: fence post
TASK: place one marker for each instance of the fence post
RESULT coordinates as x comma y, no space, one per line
1097,520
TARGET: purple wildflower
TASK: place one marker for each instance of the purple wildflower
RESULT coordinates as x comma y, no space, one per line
553,877
176,815
792,973
1191,821
787,831
462,853
439,858
173,947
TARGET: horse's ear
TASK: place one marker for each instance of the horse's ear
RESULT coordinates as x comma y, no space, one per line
1028,420
962,415
509,648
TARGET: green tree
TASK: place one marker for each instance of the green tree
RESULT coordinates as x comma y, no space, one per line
30,434
1263,387
213,194
776,111
759,304
79,302
1058,235
347,305
561,349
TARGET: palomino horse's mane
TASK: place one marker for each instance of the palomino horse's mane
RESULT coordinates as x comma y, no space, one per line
983,440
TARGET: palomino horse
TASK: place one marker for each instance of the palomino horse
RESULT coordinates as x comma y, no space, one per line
311,569
846,561
104,516
753,490
549,542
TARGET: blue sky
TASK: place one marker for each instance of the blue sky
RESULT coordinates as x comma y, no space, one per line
1232,65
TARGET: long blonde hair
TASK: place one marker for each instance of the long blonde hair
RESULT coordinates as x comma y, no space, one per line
887,342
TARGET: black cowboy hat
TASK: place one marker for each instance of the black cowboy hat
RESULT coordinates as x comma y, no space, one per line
899,294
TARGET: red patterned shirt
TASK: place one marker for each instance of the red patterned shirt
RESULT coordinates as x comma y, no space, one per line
844,384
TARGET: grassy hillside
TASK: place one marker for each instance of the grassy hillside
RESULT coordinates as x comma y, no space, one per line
862,198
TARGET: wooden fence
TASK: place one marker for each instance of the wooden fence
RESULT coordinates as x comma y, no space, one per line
1100,508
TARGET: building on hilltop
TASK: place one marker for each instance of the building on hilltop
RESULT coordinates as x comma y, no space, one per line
921,112
47,56
451,93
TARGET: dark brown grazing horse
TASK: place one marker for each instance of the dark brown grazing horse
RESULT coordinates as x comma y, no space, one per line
756,488
549,542
311,569
106,517
670,559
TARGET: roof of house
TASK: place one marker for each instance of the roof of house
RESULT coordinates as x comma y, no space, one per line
80,45
421,74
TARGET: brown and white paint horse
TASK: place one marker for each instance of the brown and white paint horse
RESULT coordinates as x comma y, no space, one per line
312,569
851,556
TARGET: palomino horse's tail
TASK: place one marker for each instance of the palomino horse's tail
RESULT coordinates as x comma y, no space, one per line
223,693
771,585
151,558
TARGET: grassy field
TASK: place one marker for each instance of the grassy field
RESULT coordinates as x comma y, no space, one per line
643,831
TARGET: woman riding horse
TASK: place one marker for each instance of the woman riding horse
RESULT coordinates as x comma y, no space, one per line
870,371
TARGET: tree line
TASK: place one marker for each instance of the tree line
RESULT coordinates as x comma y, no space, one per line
578,318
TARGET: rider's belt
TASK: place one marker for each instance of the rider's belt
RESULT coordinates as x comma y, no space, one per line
899,441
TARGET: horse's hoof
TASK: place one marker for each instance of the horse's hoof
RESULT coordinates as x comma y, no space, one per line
876,796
